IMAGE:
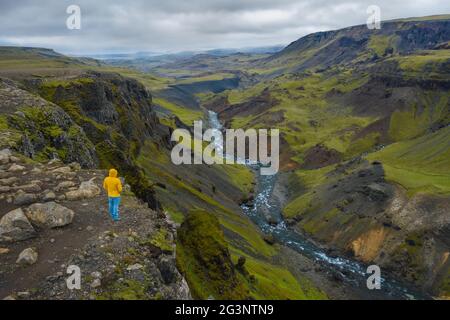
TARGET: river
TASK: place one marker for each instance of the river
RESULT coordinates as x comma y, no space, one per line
351,271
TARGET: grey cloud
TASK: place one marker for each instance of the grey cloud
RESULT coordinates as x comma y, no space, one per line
176,25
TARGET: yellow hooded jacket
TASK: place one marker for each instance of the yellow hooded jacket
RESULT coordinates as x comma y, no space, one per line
112,184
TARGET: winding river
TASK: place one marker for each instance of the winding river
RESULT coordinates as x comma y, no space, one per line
353,272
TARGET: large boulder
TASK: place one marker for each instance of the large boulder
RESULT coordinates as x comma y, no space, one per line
14,226
50,215
87,190
28,256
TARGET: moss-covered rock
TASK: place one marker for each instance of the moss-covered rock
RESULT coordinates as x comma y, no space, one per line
204,259
42,130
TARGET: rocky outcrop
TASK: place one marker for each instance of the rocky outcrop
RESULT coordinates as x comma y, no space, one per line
108,99
87,190
14,226
41,129
91,120
333,48
49,215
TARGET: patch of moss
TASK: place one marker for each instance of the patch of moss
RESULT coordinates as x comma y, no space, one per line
3,123
418,61
298,206
407,124
411,250
188,116
175,215
362,145
125,290
380,44
204,259
51,84
9,137
277,283
160,240
305,182
444,289
241,176
41,126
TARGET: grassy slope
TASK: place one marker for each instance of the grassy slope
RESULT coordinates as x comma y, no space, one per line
187,116
419,165
303,100
30,59
307,181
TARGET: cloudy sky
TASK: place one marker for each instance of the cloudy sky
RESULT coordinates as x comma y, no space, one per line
180,25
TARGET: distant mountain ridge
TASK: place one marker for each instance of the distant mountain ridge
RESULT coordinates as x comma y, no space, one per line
324,49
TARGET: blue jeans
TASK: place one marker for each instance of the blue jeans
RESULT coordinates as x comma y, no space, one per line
114,207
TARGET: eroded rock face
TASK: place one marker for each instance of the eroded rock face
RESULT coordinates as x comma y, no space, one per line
14,226
367,247
66,136
167,268
421,212
50,215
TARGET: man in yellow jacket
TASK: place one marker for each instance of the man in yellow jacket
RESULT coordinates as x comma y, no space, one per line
113,186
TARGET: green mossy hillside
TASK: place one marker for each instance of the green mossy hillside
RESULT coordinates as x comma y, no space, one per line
419,165
204,259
